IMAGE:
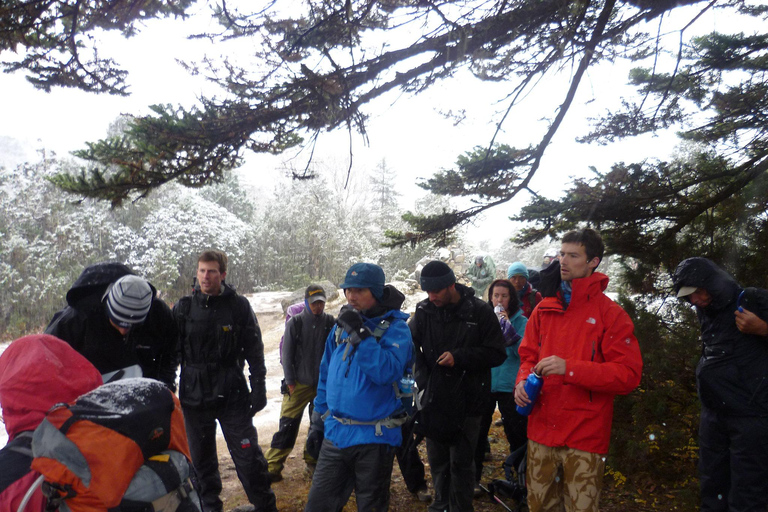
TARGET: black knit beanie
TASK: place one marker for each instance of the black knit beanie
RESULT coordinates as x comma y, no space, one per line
436,275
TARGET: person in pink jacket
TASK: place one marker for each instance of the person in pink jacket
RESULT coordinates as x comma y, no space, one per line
583,345
36,372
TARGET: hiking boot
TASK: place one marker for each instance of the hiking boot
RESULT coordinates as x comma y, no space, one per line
275,476
423,495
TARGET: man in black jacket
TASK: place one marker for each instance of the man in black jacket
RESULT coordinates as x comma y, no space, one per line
116,321
732,381
458,340
218,333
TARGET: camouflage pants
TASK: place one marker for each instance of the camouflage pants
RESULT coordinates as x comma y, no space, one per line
563,479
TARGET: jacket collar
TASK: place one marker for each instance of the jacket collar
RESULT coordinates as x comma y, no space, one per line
582,290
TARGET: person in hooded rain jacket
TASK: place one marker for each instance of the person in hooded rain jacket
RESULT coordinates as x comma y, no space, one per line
482,273
365,357
116,341
732,382
36,372
584,347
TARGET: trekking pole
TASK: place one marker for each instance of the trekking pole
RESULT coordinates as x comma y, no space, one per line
495,498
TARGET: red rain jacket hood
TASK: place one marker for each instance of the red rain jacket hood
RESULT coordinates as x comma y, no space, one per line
37,372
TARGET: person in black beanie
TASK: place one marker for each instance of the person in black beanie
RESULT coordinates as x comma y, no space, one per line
458,340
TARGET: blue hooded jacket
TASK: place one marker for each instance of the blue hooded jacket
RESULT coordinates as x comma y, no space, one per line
360,387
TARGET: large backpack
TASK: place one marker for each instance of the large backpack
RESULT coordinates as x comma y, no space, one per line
120,447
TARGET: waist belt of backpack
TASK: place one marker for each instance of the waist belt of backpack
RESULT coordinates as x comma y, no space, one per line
395,420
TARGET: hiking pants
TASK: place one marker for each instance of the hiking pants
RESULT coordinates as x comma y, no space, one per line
291,412
563,476
453,470
243,443
515,427
733,462
366,468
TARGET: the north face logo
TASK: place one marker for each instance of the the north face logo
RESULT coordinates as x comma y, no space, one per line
354,272
591,320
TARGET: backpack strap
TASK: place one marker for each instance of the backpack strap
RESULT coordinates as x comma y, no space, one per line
394,420
378,332
22,443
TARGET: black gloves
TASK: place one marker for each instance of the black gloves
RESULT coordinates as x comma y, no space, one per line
258,395
350,320
316,435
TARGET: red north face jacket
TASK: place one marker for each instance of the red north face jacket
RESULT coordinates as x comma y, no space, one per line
596,338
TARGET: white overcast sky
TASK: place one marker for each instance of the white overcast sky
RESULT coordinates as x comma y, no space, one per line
408,131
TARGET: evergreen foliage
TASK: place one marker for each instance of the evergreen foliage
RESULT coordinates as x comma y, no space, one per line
322,63
58,44
303,232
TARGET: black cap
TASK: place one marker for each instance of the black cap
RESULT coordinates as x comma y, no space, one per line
436,275
314,293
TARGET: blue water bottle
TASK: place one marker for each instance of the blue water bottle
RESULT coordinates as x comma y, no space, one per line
532,387
406,391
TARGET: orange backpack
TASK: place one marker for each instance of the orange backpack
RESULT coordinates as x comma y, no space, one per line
89,451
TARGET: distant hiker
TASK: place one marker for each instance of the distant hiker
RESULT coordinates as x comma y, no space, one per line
36,372
116,321
528,296
365,357
302,351
731,381
218,333
482,273
503,299
290,312
584,346
458,340
549,256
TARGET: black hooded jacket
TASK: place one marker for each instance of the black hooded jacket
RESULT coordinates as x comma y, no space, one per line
217,333
470,331
85,326
732,374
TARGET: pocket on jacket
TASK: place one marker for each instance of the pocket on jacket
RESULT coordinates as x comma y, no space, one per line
576,398
226,339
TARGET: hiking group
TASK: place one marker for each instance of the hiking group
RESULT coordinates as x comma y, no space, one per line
376,382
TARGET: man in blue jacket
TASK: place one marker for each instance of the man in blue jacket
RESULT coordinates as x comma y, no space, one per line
365,357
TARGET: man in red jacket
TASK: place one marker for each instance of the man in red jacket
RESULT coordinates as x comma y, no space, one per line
36,372
583,345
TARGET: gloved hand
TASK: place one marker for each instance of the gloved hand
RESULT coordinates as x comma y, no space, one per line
316,435
351,321
258,395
